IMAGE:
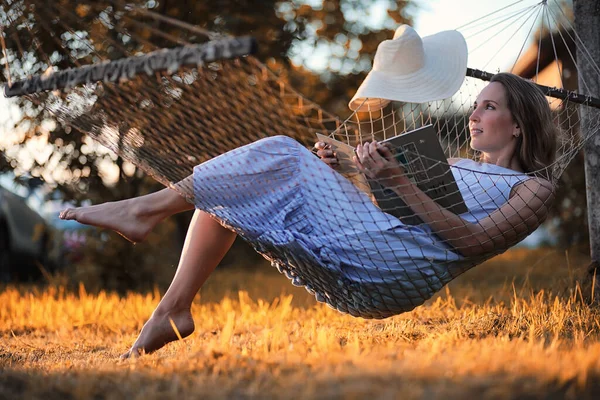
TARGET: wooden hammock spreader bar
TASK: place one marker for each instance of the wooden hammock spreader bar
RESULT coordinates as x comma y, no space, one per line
126,68
552,92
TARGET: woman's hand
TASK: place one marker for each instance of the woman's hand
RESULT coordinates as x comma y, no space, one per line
327,155
377,162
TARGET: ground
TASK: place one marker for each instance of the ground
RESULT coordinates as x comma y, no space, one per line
515,327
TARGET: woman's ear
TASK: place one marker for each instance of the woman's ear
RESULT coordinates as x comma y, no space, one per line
517,131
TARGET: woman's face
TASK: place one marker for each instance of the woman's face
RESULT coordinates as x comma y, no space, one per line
491,124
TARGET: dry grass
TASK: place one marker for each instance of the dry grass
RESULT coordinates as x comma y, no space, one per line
513,328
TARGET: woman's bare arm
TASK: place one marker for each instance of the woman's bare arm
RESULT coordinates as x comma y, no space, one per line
525,210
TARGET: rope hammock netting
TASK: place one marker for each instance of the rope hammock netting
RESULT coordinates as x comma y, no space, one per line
169,111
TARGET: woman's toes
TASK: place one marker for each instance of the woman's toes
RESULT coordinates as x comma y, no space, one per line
132,353
158,331
68,214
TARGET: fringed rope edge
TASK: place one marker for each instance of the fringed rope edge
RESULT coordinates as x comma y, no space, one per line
169,60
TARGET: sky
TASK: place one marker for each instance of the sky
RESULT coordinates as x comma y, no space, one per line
494,41
439,15
485,36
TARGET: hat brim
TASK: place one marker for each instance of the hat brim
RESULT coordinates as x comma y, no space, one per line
442,74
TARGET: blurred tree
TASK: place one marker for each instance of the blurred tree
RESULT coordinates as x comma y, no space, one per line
44,36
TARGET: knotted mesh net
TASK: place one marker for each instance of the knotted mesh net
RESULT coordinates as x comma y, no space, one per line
236,141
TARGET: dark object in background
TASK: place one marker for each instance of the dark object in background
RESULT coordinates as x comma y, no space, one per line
24,240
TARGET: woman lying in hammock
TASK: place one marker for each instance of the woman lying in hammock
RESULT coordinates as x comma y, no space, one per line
328,236
325,233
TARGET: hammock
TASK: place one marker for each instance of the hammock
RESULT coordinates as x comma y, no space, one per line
168,111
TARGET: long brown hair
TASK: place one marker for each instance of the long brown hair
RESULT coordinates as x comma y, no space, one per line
536,147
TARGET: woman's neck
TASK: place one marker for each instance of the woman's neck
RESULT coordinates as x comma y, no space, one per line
510,161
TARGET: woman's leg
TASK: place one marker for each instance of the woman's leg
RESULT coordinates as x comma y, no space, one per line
206,244
132,218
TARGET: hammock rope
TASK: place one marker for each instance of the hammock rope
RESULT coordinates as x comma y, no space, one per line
558,93
207,120
168,60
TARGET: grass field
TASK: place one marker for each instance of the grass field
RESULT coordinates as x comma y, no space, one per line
515,327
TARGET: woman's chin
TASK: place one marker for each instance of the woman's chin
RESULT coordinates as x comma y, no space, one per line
477,144
473,145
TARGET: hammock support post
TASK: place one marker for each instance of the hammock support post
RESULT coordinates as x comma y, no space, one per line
587,22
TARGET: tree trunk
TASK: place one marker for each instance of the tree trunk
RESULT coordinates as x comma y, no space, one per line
587,25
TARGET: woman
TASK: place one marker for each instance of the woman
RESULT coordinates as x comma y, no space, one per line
292,206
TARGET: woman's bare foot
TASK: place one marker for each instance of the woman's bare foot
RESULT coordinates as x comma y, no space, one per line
159,331
131,218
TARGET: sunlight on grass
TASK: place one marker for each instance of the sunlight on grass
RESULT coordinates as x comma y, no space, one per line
512,327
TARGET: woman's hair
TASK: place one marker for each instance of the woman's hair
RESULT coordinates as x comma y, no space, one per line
536,147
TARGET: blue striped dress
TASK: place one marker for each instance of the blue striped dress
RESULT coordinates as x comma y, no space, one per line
326,235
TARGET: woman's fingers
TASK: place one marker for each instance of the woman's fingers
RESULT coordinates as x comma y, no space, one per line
359,165
322,150
364,161
362,154
330,161
369,155
385,152
373,151
326,154
363,151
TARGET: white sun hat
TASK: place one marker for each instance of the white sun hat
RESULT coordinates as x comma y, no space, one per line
413,70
